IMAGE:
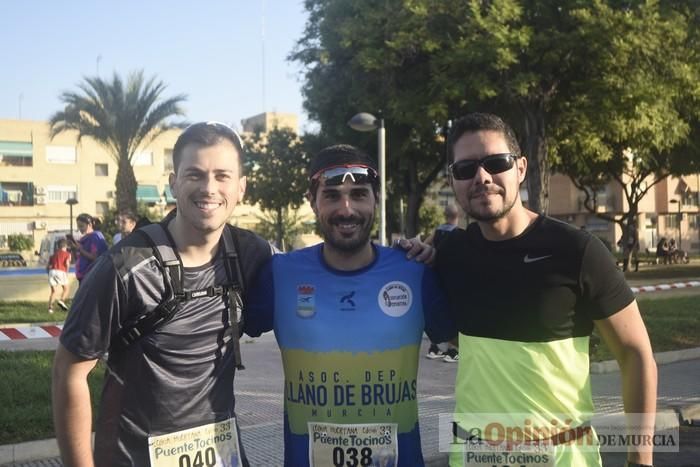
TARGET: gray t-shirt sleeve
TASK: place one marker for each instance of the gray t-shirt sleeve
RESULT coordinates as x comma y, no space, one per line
95,312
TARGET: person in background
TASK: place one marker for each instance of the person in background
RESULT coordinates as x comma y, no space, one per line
57,268
127,223
91,244
451,355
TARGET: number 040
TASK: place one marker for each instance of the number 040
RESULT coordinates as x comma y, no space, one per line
208,460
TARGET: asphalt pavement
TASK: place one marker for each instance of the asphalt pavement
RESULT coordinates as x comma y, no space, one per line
260,413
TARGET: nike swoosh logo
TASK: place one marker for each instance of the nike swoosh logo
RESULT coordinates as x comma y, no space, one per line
527,258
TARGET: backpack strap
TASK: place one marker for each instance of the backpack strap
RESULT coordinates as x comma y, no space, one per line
175,293
235,291
173,280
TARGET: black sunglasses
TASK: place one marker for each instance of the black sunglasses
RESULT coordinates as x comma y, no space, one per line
493,164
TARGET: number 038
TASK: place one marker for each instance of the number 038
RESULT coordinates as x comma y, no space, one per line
349,457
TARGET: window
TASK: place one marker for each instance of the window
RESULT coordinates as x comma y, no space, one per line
694,221
168,166
142,158
60,193
690,198
15,154
671,221
61,154
101,208
16,193
101,170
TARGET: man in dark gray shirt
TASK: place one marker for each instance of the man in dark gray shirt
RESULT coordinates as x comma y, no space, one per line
169,394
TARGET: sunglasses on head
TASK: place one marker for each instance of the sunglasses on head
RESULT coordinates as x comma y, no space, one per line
358,174
493,164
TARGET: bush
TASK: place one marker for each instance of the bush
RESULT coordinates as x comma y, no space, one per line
19,242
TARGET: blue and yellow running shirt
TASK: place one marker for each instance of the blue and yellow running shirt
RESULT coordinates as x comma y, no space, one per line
525,308
350,343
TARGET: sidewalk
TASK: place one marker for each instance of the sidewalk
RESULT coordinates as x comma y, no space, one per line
259,400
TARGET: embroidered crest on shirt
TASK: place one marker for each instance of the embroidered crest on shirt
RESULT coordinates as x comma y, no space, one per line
305,301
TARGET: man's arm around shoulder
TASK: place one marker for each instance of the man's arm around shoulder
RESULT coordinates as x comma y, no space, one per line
72,412
626,336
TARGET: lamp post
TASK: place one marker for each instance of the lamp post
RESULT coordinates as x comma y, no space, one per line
70,202
367,122
679,218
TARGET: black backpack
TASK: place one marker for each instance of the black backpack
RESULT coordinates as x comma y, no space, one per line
175,293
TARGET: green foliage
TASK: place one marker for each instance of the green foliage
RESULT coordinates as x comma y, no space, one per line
20,242
27,312
25,395
430,216
276,177
122,117
634,116
550,68
292,227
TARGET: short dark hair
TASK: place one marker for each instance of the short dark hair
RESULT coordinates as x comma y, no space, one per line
95,222
208,134
86,218
129,214
338,155
473,122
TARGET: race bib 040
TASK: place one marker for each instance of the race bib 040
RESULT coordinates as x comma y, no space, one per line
211,445
371,444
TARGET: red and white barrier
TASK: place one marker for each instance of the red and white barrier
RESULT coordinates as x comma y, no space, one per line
43,332
656,288
30,332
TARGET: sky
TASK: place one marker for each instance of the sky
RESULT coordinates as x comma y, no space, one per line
210,50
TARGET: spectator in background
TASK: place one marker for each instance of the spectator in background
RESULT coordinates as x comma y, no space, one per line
662,251
57,269
91,244
127,223
451,355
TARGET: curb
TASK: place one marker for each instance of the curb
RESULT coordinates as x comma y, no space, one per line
662,358
28,451
690,415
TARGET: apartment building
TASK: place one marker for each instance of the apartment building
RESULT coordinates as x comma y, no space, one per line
39,174
669,209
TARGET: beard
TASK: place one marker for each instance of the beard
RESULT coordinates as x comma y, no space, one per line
342,243
476,213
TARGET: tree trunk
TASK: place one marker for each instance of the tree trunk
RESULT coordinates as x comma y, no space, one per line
414,198
279,219
125,185
535,149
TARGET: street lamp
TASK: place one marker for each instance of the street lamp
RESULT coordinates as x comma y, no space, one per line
367,122
679,218
70,202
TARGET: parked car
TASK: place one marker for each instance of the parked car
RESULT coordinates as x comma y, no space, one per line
12,260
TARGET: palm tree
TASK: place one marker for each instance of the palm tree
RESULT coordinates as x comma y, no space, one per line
120,118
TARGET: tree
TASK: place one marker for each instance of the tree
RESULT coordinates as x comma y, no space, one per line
363,57
424,62
293,226
276,175
122,117
637,123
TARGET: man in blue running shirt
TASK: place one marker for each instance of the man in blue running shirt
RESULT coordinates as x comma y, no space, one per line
349,317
